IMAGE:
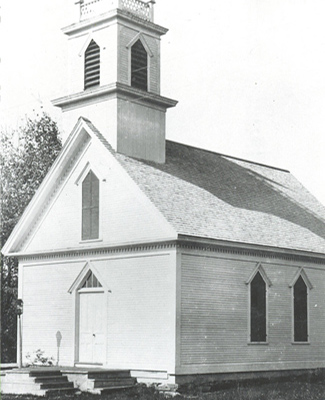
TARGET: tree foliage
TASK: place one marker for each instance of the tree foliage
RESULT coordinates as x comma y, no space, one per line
23,167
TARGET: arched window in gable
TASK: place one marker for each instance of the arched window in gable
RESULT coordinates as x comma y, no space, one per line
139,66
90,207
92,65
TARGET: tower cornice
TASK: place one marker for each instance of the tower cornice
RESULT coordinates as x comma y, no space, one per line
103,20
115,90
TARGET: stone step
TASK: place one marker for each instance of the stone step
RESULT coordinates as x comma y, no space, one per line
17,377
36,382
57,385
45,372
34,388
109,374
50,378
109,389
21,388
107,383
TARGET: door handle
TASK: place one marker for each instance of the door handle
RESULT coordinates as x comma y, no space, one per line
94,335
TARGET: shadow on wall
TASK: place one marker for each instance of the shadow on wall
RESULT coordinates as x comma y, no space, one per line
58,344
238,186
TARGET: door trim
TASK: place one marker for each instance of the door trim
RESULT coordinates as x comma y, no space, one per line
93,291
75,289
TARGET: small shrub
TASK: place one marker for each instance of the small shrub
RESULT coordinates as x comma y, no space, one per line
39,359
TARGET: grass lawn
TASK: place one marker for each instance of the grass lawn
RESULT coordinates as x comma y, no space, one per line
268,391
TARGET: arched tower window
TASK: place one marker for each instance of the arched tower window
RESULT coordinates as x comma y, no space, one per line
300,310
92,65
258,309
90,207
139,66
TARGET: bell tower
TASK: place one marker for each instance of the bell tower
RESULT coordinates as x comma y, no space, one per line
114,79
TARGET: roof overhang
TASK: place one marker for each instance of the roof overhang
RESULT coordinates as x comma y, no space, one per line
115,90
79,135
189,241
232,246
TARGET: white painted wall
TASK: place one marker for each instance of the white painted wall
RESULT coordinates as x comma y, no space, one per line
141,311
126,214
48,308
215,315
107,41
141,131
101,112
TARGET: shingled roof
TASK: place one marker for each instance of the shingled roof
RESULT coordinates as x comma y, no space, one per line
209,195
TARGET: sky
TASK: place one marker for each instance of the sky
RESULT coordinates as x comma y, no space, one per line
249,75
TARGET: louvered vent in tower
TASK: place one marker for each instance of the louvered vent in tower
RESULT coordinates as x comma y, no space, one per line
139,66
92,65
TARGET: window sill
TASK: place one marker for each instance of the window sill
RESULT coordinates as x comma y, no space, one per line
258,343
300,343
90,241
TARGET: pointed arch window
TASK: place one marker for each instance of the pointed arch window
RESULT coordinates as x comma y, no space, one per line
92,65
301,286
91,281
258,289
90,207
139,66
258,309
300,311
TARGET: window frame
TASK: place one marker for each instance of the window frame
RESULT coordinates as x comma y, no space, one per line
301,273
91,275
97,84
258,269
140,37
98,238
147,67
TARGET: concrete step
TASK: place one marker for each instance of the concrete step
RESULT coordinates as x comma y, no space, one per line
107,383
104,390
35,389
36,382
50,378
45,372
108,374
21,388
57,385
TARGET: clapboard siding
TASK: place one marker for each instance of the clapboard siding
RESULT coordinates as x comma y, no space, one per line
126,35
106,39
141,131
126,215
141,311
48,309
215,315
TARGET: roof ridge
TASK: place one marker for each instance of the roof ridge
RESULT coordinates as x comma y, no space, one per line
228,156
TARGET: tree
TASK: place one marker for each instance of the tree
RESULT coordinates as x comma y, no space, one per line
23,167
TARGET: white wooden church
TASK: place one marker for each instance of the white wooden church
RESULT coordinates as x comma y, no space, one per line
157,257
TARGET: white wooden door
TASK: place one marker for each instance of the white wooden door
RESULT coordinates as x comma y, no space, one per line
92,327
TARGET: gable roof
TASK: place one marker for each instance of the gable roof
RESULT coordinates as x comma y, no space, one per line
38,212
210,195
78,138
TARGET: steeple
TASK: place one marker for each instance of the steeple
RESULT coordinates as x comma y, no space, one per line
114,59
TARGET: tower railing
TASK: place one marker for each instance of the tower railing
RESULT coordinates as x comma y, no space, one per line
142,9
